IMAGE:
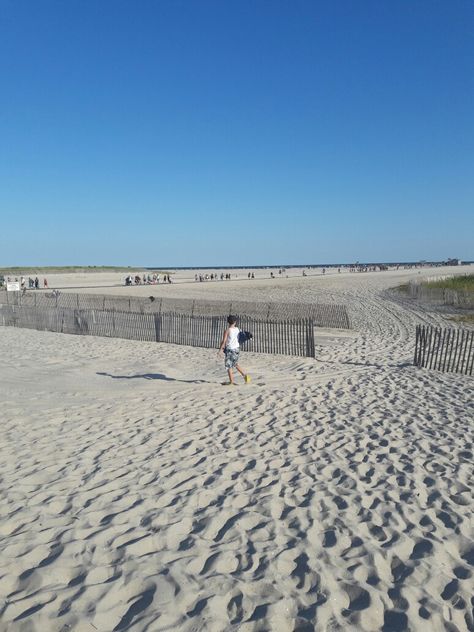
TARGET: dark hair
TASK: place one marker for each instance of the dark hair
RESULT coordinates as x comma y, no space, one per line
231,319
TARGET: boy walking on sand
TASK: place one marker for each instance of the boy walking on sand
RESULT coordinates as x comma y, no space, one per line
231,348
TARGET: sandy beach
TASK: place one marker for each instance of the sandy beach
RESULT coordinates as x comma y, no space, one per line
331,494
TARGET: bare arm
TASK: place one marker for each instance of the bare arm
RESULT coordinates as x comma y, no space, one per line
224,340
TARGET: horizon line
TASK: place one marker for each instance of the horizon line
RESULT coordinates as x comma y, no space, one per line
244,267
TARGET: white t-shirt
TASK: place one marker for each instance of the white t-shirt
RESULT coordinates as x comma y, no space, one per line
232,341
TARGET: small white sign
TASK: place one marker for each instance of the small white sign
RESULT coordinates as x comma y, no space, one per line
13,286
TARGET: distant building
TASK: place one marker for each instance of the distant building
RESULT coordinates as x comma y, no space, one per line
453,262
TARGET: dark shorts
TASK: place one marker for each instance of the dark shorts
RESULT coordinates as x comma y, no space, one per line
231,358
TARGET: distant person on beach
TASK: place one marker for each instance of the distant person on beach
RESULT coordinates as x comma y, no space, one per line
37,283
231,348
45,283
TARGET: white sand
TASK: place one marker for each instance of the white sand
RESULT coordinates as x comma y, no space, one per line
331,494
289,284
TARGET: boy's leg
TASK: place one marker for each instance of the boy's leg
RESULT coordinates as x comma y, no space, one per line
241,371
246,376
231,375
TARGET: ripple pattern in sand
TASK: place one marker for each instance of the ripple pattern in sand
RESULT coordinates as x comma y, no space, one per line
323,505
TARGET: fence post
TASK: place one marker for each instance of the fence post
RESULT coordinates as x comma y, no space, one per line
415,359
429,339
472,360
434,356
445,349
464,352
157,327
422,343
451,349
312,348
426,344
459,349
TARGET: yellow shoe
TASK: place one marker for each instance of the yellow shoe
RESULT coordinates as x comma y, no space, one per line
247,379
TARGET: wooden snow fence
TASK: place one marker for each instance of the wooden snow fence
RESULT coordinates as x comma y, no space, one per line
287,337
329,315
448,350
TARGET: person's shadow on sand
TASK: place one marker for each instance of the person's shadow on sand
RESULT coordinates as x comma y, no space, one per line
150,376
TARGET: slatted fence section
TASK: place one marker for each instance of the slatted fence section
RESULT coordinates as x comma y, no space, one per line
290,337
83,322
324,315
447,350
286,337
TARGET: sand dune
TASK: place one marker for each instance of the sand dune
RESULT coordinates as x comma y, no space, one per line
332,494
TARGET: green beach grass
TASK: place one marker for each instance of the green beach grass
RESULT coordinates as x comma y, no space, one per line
459,283
467,319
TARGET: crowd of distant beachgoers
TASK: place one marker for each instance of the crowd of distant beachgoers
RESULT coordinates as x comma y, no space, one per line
156,278
33,284
147,279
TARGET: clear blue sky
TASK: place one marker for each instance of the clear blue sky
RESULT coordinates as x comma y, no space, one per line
159,132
